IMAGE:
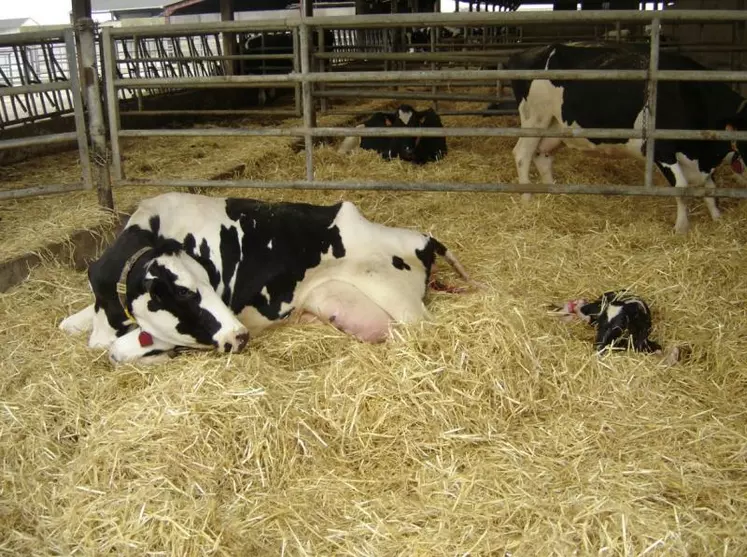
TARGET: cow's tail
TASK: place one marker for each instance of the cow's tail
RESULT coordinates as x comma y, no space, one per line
444,252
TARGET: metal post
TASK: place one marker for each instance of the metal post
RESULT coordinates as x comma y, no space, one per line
651,93
96,129
229,39
434,40
112,102
320,36
138,65
78,109
297,69
309,118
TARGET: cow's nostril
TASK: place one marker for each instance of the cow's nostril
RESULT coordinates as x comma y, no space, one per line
241,339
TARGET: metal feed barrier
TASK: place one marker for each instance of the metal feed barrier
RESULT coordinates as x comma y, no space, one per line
307,78
33,95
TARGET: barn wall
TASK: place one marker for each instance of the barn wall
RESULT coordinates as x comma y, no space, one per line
718,35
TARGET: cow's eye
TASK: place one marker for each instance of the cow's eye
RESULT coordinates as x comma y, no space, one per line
184,293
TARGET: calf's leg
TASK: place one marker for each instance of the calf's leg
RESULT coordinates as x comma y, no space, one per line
80,322
710,201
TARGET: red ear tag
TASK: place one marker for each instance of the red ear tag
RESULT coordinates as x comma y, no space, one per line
145,339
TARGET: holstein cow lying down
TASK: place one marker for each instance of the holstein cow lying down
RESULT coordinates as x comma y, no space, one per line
620,104
419,150
206,272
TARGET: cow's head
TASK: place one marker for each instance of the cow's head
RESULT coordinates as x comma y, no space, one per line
169,295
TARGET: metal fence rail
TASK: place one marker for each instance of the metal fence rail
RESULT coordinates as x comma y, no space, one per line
154,59
61,89
34,82
307,78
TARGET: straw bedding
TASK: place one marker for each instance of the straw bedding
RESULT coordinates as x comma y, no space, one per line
489,429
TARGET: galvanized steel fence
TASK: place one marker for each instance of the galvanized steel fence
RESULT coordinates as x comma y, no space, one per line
313,69
34,94
307,78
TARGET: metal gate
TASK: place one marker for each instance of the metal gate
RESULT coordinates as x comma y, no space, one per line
310,81
45,85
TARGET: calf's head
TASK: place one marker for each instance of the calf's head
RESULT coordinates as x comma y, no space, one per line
169,295
404,147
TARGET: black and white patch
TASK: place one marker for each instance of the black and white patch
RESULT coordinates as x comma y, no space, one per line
580,104
205,272
418,150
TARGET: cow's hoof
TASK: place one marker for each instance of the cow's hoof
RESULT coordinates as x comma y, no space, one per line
526,198
681,228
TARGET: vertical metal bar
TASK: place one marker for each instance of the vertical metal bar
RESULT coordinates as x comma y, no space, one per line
263,51
651,94
56,95
307,100
297,69
79,118
138,65
434,40
320,38
84,26
112,103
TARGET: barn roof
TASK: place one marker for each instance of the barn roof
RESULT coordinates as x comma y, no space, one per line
10,25
122,5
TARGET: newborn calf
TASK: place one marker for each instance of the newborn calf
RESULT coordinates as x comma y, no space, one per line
621,320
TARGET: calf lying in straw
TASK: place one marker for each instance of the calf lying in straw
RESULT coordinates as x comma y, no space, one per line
621,320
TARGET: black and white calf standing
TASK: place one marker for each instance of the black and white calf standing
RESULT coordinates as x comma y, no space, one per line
620,319
419,150
560,103
207,272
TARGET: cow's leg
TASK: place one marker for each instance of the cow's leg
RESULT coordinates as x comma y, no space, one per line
348,309
350,143
543,158
524,152
526,149
711,201
103,333
676,177
80,322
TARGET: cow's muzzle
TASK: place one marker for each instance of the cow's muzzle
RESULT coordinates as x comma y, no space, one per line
407,153
233,341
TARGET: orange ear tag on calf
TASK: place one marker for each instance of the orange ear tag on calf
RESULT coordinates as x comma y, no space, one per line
145,339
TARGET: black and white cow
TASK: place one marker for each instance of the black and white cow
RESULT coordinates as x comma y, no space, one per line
207,273
620,318
561,103
419,150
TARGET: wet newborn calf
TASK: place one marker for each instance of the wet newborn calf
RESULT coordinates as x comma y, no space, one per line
621,319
